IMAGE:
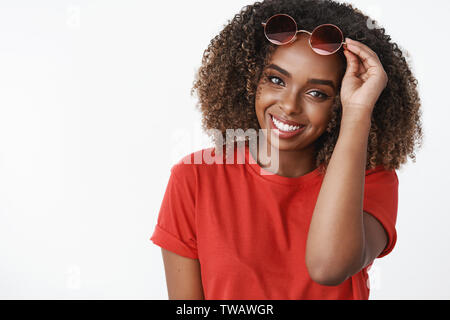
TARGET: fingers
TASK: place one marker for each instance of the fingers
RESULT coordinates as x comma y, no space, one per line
368,57
353,63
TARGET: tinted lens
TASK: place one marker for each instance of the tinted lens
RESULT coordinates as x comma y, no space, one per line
281,29
326,39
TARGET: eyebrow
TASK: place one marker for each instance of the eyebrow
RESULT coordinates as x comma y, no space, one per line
311,81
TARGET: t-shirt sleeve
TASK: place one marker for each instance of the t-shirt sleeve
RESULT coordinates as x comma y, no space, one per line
381,201
176,227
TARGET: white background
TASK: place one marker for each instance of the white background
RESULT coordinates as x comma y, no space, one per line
95,108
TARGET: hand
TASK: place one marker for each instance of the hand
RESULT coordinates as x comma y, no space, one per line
365,78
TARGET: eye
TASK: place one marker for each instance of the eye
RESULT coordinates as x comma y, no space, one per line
319,94
270,78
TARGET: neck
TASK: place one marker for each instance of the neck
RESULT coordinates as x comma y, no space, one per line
291,163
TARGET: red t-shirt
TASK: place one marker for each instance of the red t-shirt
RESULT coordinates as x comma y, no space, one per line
248,227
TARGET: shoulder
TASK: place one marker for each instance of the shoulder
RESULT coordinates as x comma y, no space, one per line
381,171
381,181
189,165
210,162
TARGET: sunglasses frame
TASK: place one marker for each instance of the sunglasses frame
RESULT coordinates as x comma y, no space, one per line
294,37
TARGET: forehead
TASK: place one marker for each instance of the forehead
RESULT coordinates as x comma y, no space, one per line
300,60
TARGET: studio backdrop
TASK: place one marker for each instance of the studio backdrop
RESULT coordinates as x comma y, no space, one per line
96,108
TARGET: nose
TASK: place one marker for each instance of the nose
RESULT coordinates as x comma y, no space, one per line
290,104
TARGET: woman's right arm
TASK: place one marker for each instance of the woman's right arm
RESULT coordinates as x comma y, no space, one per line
183,277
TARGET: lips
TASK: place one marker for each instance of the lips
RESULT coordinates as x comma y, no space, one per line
288,122
285,134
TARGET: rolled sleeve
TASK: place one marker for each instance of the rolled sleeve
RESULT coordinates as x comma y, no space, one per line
381,201
176,226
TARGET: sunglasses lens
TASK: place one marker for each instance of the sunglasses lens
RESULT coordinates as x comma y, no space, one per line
281,29
326,39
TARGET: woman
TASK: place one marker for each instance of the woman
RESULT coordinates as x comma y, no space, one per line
337,123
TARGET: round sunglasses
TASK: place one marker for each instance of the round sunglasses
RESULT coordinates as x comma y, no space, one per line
326,39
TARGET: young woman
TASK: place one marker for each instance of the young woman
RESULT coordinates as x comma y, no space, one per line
342,114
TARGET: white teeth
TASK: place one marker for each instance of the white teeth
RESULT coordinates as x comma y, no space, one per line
284,127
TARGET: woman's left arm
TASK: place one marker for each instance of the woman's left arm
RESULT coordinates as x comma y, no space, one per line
342,239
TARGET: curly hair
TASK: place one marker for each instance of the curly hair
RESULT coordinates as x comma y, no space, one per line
226,82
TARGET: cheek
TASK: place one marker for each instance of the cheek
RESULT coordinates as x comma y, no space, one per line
319,118
318,115
262,100
260,106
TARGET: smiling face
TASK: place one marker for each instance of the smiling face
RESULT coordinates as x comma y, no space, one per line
297,87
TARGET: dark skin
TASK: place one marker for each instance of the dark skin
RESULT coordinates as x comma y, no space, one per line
342,239
296,99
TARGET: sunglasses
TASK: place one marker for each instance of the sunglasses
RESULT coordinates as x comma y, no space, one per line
282,29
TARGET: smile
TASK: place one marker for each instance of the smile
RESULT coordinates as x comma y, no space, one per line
284,130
